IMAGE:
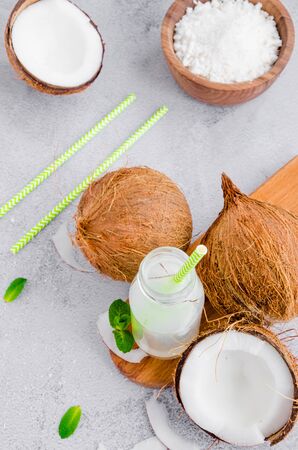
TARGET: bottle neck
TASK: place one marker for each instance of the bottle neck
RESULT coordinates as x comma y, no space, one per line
156,276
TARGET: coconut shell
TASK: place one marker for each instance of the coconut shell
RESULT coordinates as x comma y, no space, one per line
128,213
28,77
252,262
271,338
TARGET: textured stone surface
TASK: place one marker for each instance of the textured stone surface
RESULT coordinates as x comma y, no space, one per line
50,354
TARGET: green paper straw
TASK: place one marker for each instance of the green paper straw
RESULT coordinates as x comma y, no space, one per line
88,180
190,263
78,145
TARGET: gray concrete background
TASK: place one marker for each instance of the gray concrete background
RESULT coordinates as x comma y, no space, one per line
50,354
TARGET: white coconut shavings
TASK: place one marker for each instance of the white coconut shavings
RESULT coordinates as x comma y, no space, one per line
227,41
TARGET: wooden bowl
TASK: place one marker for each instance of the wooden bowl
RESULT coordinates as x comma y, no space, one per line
220,93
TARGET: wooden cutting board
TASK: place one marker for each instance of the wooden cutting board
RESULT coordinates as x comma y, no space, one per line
280,190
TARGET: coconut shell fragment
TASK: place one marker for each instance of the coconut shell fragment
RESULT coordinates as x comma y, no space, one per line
252,263
128,213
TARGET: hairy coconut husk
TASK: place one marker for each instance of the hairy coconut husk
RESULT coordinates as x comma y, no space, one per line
263,333
128,213
252,262
28,77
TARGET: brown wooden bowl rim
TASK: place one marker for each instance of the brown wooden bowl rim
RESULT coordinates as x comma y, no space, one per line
17,9
172,59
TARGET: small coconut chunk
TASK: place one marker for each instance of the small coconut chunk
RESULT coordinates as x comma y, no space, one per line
149,444
237,387
57,43
64,246
106,332
159,421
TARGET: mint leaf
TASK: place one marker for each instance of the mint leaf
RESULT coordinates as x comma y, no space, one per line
122,322
124,340
69,422
14,289
119,315
120,319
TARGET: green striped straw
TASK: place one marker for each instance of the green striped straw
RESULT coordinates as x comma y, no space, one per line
78,145
190,263
111,159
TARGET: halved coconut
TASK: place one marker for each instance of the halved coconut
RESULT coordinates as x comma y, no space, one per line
239,385
54,46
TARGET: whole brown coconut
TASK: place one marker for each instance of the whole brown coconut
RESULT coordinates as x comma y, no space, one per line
252,262
266,335
128,213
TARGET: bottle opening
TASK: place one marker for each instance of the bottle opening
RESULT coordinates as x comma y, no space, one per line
157,271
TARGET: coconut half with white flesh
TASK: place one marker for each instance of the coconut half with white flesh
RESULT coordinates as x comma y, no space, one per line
54,46
239,385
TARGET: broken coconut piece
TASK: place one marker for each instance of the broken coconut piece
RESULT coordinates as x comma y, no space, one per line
54,45
106,332
239,386
65,248
150,444
158,417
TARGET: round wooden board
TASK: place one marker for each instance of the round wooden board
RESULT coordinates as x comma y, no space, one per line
151,372
280,190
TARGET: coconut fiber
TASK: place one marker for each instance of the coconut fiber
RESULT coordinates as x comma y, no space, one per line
128,213
252,262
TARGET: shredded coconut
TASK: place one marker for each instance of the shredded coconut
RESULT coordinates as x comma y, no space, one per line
227,41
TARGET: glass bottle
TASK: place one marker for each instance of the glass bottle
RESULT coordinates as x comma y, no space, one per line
165,315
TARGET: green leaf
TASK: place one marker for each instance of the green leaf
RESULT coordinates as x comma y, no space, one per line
119,315
70,421
122,322
120,319
124,340
14,289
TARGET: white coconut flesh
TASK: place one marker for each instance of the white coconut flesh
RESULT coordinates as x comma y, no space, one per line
56,42
149,444
159,420
237,387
